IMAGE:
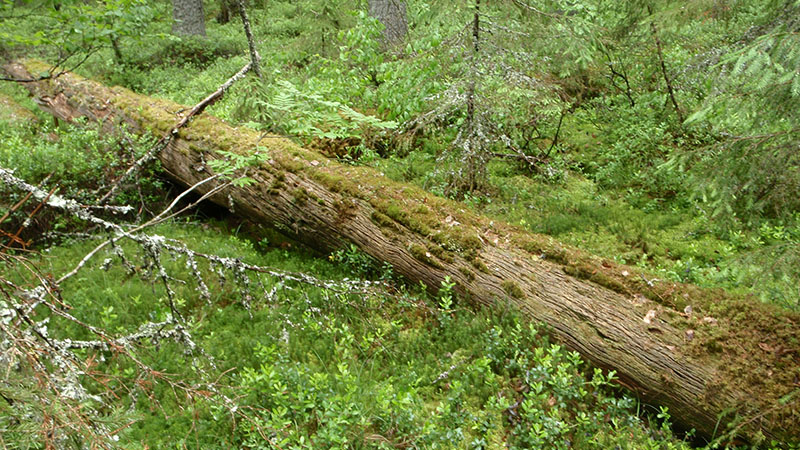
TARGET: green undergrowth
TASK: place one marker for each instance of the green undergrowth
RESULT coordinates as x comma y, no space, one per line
612,187
615,185
310,368
415,217
610,191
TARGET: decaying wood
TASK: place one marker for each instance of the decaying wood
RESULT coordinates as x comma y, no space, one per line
708,356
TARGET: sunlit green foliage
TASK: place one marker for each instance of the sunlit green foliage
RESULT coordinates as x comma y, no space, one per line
315,368
68,31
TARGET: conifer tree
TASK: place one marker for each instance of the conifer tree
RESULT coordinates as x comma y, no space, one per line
497,93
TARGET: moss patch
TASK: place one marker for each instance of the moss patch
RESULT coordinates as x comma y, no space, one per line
300,196
383,221
422,254
11,111
275,187
512,289
418,223
459,241
467,273
480,265
441,253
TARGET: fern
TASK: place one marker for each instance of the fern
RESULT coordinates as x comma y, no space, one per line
310,115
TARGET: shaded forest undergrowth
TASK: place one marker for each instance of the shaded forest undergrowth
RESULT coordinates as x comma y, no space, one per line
626,182
295,365
392,366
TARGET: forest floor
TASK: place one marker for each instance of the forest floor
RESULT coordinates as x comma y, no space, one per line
393,367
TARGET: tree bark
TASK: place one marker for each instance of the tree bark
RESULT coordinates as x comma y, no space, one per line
722,358
392,14
188,18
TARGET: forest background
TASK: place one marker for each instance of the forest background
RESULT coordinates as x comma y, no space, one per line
657,134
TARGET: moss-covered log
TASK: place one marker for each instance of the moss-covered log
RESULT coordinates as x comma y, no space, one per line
724,358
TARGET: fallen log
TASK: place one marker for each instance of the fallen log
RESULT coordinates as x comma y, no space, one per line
709,356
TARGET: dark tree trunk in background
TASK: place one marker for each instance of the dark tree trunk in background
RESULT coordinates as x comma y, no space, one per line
663,65
228,10
392,14
225,11
188,18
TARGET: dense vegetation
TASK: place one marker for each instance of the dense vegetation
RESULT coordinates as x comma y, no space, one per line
659,134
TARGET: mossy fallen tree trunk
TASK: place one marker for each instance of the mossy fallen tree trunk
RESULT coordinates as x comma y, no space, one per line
724,358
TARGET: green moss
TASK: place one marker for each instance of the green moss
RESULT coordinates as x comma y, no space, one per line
540,245
456,240
441,253
467,273
512,289
422,209
395,212
421,253
300,196
275,187
337,183
383,220
596,275
290,164
399,214
333,183
478,264
11,111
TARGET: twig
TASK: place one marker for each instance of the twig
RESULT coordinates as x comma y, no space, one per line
167,138
255,58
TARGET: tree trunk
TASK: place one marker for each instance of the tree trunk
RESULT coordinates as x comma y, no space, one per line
722,358
392,14
188,18
227,10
